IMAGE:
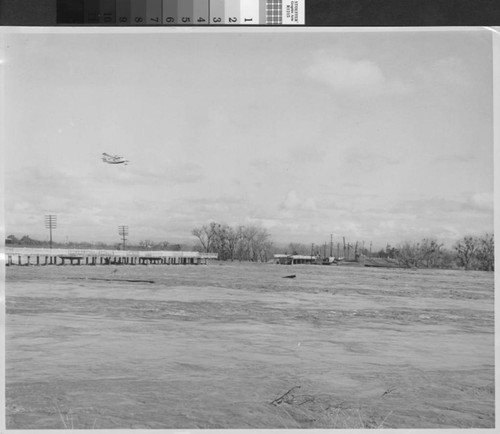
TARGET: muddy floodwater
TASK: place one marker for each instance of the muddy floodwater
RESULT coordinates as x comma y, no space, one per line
238,346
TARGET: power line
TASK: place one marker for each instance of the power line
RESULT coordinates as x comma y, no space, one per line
50,223
123,232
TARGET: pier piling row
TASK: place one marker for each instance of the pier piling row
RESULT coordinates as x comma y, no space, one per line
29,256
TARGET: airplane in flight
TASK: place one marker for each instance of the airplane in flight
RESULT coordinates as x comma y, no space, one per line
113,159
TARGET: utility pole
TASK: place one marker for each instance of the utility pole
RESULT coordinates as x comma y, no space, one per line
312,250
343,238
123,232
50,223
331,245
338,250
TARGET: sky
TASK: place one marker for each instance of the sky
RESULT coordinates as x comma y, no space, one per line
375,136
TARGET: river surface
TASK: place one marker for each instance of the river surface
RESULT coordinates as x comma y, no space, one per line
219,346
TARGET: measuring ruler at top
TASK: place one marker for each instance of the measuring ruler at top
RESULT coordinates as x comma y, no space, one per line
180,12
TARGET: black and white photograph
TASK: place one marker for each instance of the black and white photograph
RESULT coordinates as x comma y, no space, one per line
253,229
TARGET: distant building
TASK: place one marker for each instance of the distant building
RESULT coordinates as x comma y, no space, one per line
294,259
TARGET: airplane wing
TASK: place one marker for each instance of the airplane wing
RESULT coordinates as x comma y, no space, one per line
113,159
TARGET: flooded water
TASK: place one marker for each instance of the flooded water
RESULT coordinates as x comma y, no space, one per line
217,346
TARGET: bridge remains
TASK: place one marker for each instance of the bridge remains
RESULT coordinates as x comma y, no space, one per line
32,256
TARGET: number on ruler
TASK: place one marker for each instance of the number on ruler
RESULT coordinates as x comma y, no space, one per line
233,19
155,19
201,20
169,19
107,18
186,19
139,19
217,20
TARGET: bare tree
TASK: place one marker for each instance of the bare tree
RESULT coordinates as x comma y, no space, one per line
430,251
163,245
466,250
408,255
220,240
146,244
485,253
233,238
205,234
262,245
249,234
250,243
427,254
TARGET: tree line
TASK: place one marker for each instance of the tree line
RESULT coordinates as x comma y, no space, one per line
242,243
470,253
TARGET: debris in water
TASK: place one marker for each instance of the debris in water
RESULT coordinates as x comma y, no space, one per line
391,389
286,397
292,276
115,280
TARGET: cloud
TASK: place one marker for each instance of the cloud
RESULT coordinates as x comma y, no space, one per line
218,208
293,202
481,201
166,172
351,185
369,160
42,191
437,206
359,77
260,164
